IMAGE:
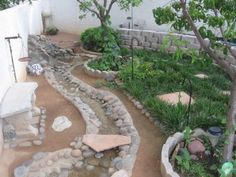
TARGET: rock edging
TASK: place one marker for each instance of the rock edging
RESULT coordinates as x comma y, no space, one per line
90,52
98,73
166,167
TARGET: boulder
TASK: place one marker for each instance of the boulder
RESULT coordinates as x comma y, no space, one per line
196,147
105,142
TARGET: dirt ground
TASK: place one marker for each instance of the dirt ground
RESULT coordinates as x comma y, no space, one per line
148,158
56,105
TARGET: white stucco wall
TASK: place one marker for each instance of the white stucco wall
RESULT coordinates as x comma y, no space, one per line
24,19
65,16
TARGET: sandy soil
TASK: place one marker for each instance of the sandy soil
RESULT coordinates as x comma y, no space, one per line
149,154
56,105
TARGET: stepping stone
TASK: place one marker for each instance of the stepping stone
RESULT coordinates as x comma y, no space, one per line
175,98
201,76
101,143
61,123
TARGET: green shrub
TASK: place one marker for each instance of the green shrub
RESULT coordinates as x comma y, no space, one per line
98,40
107,62
52,30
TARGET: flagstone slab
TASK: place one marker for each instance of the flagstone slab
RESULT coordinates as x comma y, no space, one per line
101,143
175,98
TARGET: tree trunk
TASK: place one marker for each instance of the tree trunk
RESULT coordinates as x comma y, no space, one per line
228,148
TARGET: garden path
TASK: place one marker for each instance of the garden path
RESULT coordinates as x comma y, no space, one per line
148,158
148,162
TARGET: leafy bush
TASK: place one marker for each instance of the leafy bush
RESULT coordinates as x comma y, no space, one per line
157,73
51,30
107,62
98,40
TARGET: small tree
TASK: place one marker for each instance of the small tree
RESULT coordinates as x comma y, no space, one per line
4,4
102,8
205,18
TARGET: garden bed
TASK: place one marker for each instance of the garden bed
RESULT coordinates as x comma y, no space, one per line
156,73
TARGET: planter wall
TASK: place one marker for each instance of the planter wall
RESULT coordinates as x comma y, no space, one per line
98,73
147,39
167,149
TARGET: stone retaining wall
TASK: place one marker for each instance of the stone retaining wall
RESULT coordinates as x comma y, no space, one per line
167,149
147,39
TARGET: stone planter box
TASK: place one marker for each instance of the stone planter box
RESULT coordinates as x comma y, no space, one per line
166,167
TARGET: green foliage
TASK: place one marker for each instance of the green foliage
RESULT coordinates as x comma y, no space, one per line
187,135
101,9
4,4
157,73
52,30
93,39
183,160
108,62
209,15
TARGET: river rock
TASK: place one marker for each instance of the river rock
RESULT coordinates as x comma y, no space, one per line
76,153
120,173
196,147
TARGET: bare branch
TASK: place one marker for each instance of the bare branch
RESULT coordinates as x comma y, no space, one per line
110,6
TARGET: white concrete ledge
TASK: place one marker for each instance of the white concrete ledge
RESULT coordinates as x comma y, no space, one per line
166,167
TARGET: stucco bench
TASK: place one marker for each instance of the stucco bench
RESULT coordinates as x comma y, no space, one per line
18,99
17,111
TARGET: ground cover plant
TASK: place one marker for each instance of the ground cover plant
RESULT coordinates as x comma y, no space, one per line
157,73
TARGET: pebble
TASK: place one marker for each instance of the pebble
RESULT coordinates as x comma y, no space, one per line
99,155
79,165
37,142
90,167
76,153
49,163
39,156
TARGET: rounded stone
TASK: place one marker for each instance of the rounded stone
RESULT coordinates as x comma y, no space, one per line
49,163
90,167
72,144
67,154
79,165
37,142
76,153
196,147
99,155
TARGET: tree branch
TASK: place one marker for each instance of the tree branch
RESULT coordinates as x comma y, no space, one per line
222,34
89,9
225,65
110,6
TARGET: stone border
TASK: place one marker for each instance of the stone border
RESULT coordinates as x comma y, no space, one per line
97,73
89,52
167,149
121,116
